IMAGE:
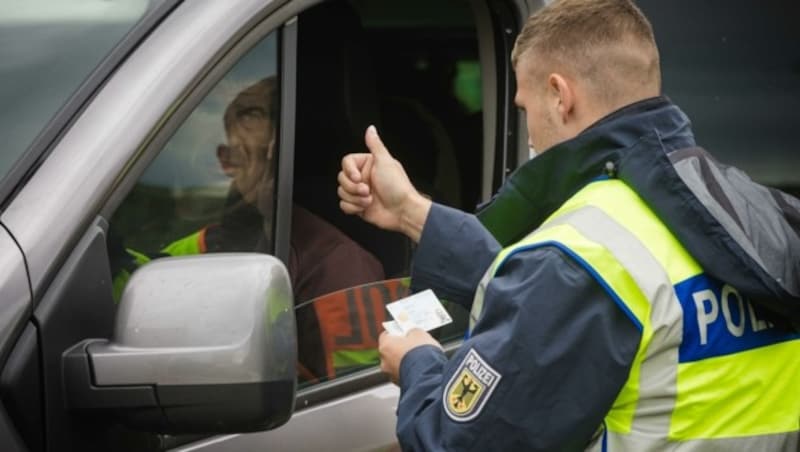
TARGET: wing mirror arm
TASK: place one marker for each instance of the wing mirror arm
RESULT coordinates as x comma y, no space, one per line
85,395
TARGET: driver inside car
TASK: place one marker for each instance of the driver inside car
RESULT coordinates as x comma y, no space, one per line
322,259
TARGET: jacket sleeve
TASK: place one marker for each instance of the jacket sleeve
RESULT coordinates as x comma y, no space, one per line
453,272
545,362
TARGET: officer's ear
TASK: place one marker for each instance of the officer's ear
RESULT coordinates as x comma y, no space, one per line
562,95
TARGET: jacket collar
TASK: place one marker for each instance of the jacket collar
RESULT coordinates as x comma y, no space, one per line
540,186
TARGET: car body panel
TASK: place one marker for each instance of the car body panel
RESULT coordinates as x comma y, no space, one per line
364,421
84,166
41,144
16,305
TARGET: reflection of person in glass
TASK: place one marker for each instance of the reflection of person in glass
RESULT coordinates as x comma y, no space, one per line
250,132
322,259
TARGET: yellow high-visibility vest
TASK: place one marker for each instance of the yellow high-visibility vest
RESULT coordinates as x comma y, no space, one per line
710,374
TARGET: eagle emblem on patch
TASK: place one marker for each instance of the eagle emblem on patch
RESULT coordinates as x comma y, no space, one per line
469,388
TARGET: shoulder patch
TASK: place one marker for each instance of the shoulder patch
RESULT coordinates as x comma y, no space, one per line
469,388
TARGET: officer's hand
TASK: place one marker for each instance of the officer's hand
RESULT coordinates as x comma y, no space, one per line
354,191
394,348
376,187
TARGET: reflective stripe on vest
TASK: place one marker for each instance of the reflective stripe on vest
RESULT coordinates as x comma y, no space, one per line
709,373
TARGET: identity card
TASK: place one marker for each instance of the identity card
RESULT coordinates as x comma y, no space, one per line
422,310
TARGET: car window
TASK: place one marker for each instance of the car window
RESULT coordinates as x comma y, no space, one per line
429,83
412,70
211,188
49,48
734,67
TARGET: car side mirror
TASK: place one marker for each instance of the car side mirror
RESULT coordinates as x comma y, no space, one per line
202,344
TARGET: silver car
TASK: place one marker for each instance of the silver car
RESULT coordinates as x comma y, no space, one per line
158,290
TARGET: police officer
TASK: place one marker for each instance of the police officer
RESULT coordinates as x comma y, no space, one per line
627,292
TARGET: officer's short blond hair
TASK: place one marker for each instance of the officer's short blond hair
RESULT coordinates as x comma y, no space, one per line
609,43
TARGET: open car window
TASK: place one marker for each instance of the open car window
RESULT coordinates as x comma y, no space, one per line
412,70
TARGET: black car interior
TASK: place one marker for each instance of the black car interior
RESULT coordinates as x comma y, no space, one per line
351,75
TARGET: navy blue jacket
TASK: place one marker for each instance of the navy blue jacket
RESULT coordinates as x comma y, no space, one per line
561,347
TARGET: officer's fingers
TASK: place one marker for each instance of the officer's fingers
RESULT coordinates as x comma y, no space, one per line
357,200
366,172
350,186
375,144
388,371
350,208
382,339
387,344
388,367
354,204
353,164
421,337
417,334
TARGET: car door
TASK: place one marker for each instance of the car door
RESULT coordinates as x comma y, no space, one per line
431,80
18,352
342,84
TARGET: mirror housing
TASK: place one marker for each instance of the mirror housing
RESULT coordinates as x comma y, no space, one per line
202,344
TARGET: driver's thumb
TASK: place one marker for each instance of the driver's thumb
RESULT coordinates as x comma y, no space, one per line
375,144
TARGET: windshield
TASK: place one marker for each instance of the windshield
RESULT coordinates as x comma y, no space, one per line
49,47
